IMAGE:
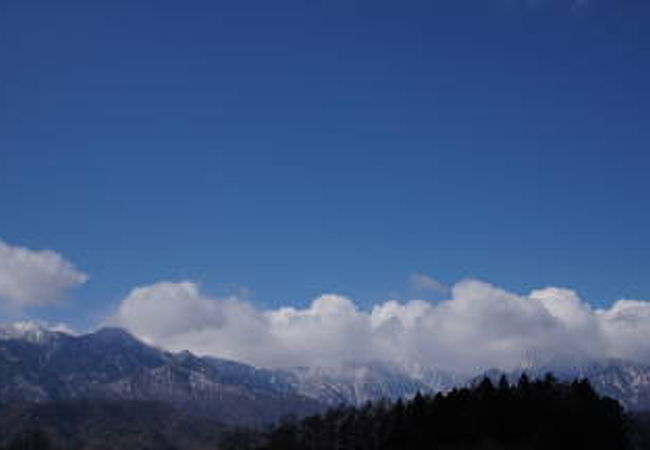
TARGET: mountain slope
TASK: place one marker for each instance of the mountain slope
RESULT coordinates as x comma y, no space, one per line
357,384
110,364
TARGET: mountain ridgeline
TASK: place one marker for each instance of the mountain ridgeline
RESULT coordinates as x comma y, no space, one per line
108,390
110,364
41,365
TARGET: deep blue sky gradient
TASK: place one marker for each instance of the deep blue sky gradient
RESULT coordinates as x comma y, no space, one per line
300,147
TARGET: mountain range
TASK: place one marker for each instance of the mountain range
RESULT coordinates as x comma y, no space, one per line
41,365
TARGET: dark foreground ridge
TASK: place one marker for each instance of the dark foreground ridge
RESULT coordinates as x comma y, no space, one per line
531,415
104,425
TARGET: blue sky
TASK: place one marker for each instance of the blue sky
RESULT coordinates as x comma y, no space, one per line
297,148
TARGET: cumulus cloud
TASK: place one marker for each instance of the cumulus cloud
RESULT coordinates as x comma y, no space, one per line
177,316
34,278
480,326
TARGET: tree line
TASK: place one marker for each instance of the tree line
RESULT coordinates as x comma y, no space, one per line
529,415
526,415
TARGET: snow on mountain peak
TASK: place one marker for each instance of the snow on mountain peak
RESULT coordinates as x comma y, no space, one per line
30,331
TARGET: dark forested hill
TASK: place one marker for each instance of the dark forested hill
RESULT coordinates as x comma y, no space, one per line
104,425
531,415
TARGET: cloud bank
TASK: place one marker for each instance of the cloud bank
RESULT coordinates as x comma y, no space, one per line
480,326
34,278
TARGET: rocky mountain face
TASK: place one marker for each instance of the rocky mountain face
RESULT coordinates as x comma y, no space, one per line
39,365
110,364
625,381
357,384
42,365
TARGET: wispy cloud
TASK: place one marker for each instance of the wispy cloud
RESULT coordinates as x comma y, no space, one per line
421,282
34,278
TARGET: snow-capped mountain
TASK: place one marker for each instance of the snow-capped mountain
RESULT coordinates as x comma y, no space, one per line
41,364
626,381
360,383
38,364
28,331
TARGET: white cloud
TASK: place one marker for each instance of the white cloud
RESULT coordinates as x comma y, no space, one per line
626,328
178,317
34,278
480,326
